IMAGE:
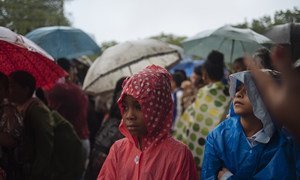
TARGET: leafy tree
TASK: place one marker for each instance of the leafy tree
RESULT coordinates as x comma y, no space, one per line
107,44
261,25
170,38
22,16
282,17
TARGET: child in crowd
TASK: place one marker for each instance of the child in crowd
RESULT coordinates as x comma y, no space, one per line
206,112
239,65
148,151
248,145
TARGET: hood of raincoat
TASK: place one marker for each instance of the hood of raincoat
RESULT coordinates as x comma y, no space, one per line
259,108
151,87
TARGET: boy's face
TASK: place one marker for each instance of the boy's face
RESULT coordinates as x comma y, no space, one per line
242,105
133,116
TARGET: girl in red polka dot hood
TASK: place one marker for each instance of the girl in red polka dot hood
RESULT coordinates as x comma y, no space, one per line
148,151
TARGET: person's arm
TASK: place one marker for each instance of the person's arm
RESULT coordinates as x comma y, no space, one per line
212,164
109,169
42,124
282,100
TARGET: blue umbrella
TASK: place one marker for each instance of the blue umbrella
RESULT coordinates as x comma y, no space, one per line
187,65
64,42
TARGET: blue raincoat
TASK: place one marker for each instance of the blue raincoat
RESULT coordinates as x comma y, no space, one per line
227,145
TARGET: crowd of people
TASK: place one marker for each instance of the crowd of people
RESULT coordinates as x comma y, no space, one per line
159,125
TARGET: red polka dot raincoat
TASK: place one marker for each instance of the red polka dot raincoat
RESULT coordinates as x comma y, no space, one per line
161,157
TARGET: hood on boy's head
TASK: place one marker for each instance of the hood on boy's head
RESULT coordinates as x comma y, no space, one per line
259,108
151,87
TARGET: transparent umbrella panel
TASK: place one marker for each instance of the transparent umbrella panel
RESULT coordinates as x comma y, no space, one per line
232,42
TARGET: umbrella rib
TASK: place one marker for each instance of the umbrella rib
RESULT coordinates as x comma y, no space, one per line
232,47
130,63
221,43
243,46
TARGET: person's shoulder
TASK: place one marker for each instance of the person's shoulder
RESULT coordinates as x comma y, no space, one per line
174,145
121,143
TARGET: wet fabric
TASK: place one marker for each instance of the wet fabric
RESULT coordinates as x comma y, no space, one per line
161,157
259,109
227,146
201,117
274,156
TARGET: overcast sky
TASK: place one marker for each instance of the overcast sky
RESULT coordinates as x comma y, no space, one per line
123,20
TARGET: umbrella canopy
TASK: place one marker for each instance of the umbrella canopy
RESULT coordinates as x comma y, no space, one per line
64,42
288,33
126,59
19,53
187,65
232,42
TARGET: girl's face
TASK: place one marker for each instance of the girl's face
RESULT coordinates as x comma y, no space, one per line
242,105
133,116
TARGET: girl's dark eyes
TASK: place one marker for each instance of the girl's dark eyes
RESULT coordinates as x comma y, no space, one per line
124,107
238,88
136,106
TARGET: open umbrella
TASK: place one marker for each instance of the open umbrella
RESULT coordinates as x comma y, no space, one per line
64,42
289,34
19,53
126,59
187,65
232,42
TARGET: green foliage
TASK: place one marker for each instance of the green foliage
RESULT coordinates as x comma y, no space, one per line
22,16
107,44
170,38
262,24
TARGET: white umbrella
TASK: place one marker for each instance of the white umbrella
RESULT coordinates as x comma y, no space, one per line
232,42
125,59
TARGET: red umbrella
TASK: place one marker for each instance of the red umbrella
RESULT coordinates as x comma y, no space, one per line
19,53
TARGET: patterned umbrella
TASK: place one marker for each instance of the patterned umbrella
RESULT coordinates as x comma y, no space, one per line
19,53
126,59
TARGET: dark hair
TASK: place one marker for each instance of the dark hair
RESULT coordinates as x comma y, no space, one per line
240,61
64,63
214,65
114,110
265,55
178,78
182,72
24,79
4,81
198,70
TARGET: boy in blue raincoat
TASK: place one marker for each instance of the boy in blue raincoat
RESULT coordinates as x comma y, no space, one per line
248,145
